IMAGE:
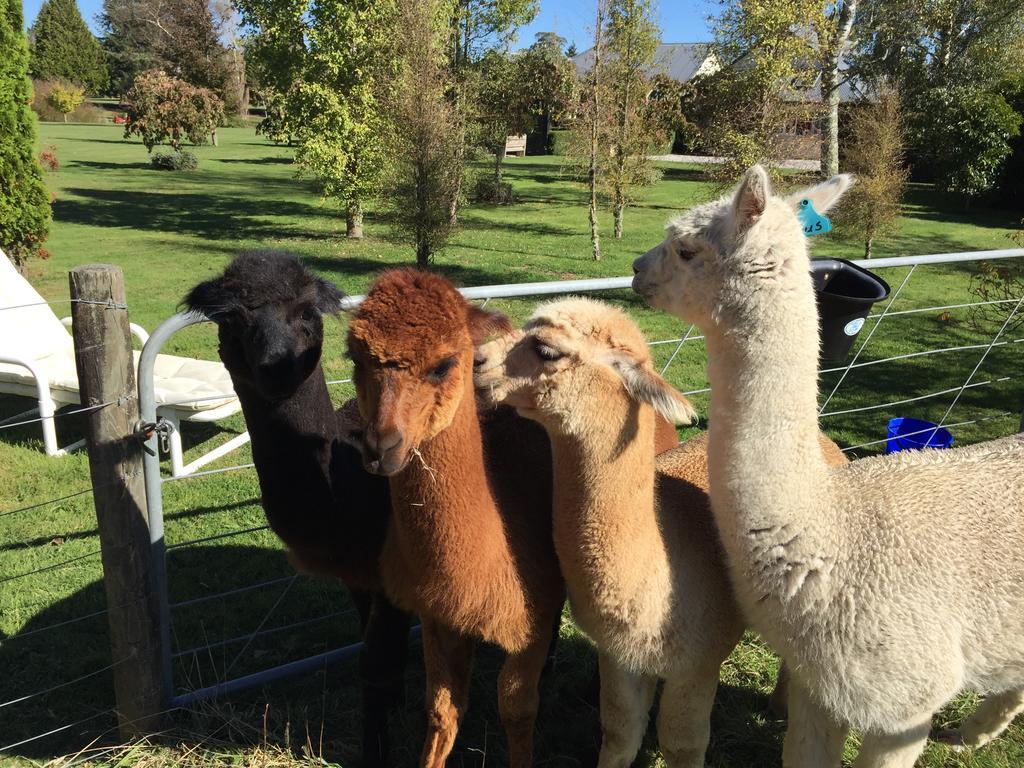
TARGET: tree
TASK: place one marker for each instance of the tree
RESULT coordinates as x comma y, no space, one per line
548,74
332,65
477,26
24,202
63,48
743,108
65,98
832,29
428,166
926,43
593,119
632,39
474,27
504,104
165,110
181,37
875,153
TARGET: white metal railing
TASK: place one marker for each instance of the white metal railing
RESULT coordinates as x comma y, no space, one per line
859,361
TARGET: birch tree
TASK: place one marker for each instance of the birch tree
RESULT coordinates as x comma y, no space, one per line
833,33
632,40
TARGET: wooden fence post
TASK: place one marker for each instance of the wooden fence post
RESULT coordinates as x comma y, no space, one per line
106,374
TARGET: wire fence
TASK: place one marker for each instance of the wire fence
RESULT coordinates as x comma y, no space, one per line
233,612
57,662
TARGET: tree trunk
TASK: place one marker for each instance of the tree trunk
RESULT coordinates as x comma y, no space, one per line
867,248
830,81
830,137
354,220
595,236
499,158
422,254
65,117
620,211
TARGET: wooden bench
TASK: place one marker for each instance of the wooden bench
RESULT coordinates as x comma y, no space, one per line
516,145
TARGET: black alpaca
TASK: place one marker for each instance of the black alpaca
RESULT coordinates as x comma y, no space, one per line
329,512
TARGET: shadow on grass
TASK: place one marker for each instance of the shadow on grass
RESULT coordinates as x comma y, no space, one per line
70,640
256,160
354,266
210,216
105,166
100,141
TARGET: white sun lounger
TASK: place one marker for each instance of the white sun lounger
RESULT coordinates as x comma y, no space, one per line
37,360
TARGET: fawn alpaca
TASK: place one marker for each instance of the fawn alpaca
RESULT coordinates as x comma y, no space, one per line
889,584
634,535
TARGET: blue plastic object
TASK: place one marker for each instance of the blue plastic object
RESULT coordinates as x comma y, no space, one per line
814,223
906,434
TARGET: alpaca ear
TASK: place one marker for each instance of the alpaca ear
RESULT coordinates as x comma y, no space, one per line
751,197
484,324
646,386
824,195
328,297
207,298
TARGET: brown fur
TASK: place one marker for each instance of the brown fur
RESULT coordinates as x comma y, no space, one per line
469,547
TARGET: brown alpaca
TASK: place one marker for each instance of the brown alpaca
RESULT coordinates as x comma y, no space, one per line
469,546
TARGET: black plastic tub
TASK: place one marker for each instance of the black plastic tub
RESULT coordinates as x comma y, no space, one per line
845,294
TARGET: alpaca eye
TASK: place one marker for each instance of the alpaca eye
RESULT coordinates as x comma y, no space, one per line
545,352
308,314
441,369
686,255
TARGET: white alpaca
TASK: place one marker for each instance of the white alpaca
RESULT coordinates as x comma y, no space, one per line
888,585
638,549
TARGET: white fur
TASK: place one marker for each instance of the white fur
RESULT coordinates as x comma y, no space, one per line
890,584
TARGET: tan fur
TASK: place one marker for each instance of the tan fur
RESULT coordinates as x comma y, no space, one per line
888,585
634,535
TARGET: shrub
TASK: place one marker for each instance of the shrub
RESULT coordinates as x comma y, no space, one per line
65,97
85,112
487,190
963,133
24,202
558,142
174,161
874,152
165,110
48,158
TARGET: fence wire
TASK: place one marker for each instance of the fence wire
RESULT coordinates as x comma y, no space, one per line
50,693
676,352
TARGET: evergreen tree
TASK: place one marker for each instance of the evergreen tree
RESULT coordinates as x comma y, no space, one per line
63,48
24,202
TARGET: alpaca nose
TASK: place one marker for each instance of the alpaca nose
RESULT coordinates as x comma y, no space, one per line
378,446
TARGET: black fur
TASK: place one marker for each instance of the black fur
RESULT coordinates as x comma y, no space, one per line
330,513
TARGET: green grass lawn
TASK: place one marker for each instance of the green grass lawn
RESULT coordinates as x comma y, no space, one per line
168,231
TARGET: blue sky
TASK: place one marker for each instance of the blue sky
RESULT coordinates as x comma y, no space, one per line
682,21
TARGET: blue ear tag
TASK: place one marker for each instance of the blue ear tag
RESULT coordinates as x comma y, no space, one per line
813,222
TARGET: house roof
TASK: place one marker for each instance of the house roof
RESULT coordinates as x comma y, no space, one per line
679,61
683,61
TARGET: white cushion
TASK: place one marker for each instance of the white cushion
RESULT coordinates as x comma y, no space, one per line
182,384
34,331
